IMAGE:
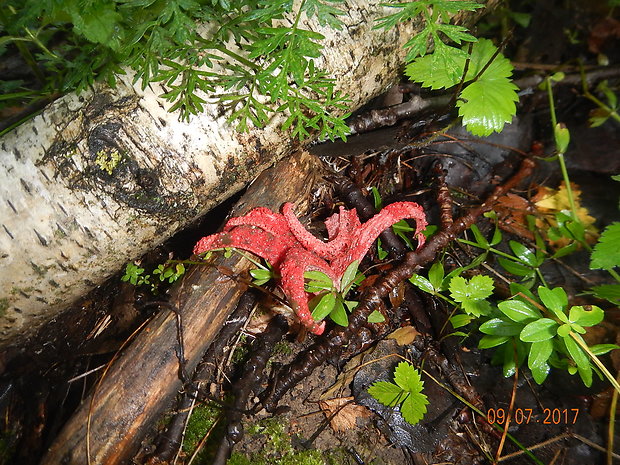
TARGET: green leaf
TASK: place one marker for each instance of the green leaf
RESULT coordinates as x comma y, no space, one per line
515,268
460,320
408,390
564,330
322,305
376,317
602,349
99,23
488,341
524,254
442,69
555,300
339,314
413,408
348,277
408,378
480,239
422,283
519,311
610,292
318,281
589,315
489,102
581,360
436,275
260,273
606,254
500,327
562,137
389,394
517,288
537,359
479,287
539,330
476,307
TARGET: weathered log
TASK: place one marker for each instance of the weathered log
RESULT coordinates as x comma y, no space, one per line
67,225
144,380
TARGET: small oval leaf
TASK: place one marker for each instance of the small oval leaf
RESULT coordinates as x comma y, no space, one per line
539,330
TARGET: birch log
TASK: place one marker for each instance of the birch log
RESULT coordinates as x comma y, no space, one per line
67,224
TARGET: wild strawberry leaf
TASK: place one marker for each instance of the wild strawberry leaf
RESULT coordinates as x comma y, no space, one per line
489,102
606,254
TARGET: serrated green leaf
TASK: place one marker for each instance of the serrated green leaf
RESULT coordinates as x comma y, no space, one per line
537,359
610,292
487,104
606,254
586,315
413,408
476,308
477,288
500,327
388,394
539,330
408,378
442,69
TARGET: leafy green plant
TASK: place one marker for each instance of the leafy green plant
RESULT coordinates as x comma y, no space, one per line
329,300
546,329
478,72
248,52
169,271
405,392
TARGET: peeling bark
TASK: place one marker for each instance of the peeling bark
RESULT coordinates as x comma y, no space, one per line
67,225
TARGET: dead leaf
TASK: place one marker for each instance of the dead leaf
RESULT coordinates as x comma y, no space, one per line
551,201
404,336
512,210
343,413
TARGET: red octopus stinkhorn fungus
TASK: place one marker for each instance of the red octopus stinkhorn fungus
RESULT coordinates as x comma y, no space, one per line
292,250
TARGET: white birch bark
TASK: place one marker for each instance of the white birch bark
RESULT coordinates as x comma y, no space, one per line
67,225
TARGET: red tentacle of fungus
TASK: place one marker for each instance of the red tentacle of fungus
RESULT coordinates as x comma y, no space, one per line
371,229
339,236
292,270
291,249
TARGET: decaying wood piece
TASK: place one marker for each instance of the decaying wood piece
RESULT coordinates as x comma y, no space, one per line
66,224
145,379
